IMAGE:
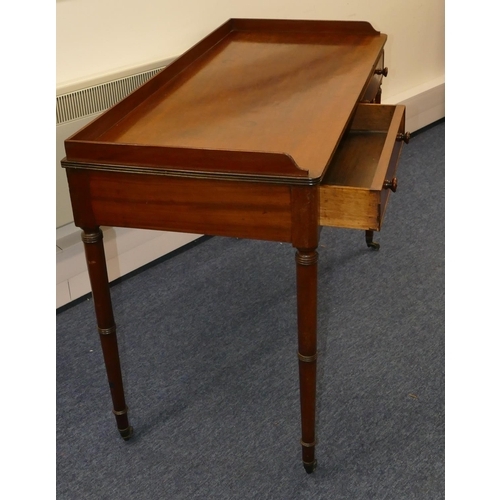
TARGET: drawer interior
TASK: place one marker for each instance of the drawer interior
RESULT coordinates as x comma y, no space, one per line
357,158
355,189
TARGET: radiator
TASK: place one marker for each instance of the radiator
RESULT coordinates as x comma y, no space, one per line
85,102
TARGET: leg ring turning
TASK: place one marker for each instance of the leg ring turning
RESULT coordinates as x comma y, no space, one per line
127,433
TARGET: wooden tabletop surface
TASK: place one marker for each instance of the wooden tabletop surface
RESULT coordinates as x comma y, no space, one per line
267,90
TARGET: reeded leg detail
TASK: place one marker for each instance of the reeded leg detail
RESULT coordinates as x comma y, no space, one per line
309,466
127,433
306,264
98,274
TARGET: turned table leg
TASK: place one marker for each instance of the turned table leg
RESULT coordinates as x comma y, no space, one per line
96,263
307,283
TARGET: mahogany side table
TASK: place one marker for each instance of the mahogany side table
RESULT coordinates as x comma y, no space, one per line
265,129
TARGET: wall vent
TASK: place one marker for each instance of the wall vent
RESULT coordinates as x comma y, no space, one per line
80,103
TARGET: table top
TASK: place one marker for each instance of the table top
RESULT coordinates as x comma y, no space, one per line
255,98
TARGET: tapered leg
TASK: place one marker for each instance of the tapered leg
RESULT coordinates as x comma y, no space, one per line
307,284
96,263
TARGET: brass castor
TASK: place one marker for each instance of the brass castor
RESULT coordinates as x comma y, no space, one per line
127,433
373,245
369,241
310,466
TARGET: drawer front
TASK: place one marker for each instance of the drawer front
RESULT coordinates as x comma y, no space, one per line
355,190
371,91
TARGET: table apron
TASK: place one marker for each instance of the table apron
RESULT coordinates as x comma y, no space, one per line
202,206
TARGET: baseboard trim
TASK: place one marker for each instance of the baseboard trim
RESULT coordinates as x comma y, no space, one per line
126,250
425,104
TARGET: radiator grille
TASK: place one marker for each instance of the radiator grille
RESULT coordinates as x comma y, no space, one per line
80,103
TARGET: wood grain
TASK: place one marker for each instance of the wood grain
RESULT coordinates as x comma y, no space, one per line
244,90
352,193
223,208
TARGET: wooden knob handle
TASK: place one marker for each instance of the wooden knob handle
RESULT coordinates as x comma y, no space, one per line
383,72
392,184
404,137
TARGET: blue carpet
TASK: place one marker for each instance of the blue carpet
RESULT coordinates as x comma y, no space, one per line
208,347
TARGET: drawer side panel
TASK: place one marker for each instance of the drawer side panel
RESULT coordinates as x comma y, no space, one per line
349,208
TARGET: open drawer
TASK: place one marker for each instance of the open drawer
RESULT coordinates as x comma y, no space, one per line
355,189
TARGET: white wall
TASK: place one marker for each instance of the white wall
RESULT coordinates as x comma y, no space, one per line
99,37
